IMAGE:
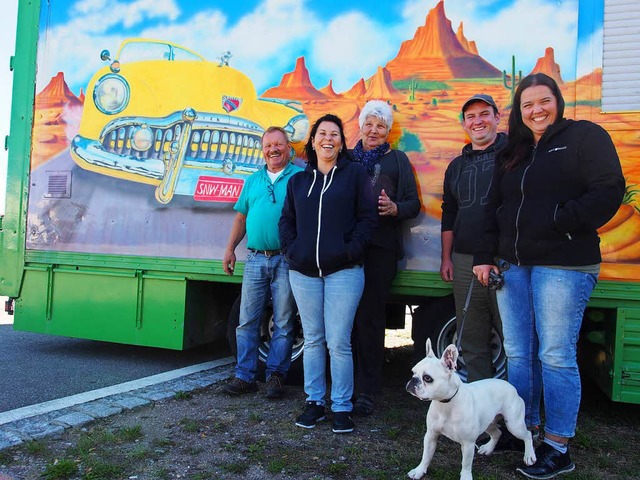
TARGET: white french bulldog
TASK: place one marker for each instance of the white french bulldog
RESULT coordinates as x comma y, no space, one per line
462,411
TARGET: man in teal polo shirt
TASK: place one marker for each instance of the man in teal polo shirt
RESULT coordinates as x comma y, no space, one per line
266,272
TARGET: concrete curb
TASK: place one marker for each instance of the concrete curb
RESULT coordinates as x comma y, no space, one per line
50,418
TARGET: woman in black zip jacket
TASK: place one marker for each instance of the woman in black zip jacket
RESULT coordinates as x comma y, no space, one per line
554,184
327,221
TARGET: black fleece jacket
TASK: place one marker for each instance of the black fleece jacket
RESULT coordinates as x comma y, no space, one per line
546,211
466,187
327,220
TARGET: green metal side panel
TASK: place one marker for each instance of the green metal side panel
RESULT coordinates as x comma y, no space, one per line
12,226
115,306
626,377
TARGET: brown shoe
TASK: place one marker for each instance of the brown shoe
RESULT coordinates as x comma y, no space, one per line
238,386
275,387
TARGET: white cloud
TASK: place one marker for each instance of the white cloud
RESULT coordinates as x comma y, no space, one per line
590,54
74,47
351,46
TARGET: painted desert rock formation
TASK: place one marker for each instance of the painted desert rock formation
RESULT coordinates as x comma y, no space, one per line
435,53
548,65
296,85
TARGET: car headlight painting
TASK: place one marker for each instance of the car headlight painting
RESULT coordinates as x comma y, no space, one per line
142,138
297,128
111,94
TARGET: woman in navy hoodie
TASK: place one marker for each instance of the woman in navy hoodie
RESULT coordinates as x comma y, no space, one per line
327,221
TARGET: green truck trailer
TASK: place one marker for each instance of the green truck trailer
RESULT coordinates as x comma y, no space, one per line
134,126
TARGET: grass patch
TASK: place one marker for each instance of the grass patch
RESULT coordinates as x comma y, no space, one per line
235,467
60,469
255,417
163,442
35,447
5,459
183,395
276,465
98,469
130,434
257,448
189,425
139,452
337,468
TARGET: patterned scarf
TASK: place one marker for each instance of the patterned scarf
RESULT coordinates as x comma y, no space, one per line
369,158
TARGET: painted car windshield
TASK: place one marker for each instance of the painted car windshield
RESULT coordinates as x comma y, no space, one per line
140,51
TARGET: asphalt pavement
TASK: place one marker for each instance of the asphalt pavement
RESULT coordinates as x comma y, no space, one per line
50,383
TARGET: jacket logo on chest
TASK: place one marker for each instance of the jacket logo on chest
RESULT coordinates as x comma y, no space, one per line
557,149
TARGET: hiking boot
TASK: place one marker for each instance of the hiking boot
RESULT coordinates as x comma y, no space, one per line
313,413
238,386
508,443
550,463
342,422
363,406
275,387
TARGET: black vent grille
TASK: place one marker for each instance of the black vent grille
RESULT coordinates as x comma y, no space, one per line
58,184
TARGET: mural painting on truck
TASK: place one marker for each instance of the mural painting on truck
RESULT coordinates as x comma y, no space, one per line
147,119
172,135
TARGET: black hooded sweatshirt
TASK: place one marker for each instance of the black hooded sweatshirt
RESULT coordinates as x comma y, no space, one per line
546,210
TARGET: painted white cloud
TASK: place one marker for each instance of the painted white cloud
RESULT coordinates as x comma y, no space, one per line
74,47
590,54
351,46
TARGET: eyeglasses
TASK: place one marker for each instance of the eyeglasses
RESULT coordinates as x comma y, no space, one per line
272,195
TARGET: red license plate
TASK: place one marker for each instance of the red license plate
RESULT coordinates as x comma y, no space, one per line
213,189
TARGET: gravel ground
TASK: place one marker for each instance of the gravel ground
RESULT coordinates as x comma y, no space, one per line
206,435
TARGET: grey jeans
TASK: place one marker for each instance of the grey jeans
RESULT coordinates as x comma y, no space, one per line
482,314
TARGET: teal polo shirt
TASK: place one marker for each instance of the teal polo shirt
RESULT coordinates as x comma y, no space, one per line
262,213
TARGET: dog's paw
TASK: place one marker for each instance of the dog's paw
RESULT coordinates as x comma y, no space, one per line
529,459
487,448
417,473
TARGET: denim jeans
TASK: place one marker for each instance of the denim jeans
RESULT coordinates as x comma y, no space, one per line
265,278
541,310
327,306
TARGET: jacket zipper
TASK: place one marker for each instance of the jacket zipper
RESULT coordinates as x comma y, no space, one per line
524,174
325,187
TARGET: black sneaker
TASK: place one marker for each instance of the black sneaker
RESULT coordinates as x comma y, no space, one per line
550,463
275,387
508,443
312,414
238,386
363,406
342,422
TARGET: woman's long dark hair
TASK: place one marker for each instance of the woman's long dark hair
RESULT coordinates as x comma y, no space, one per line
520,137
312,158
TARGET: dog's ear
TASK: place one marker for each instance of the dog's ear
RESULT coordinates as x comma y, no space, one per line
429,350
450,358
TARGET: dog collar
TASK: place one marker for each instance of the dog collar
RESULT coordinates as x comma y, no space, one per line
450,398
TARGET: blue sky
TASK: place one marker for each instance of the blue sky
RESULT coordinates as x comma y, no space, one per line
341,40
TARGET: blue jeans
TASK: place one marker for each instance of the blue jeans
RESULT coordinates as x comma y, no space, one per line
265,278
541,310
327,306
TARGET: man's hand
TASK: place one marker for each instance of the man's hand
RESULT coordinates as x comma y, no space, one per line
446,270
229,262
482,273
385,206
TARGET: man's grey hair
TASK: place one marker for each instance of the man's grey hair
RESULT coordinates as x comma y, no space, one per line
275,128
378,109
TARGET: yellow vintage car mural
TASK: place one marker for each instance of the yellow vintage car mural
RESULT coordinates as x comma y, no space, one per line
161,114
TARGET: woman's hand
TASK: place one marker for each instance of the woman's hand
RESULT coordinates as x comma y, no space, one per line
482,273
385,206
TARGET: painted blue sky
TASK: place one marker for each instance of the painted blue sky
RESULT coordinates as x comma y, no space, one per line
341,40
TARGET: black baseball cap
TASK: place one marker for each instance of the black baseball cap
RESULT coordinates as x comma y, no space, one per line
480,97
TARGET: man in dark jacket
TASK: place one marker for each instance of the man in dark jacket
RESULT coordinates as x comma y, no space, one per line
466,186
